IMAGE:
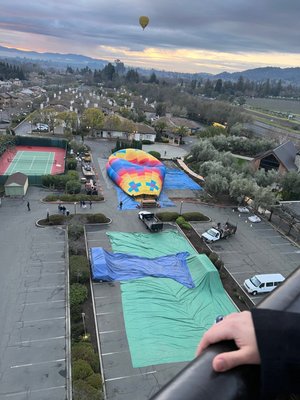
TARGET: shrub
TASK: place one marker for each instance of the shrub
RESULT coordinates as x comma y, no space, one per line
95,381
73,187
167,216
78,294
79,269
72,176
155,154
81,369
71,198
75,231
71,164
147,142
219,264
77,331
83,391
182,223
213,257
85,351
56,219
76,316
194,216
96,218
77,248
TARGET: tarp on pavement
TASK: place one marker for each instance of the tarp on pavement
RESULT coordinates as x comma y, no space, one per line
177,179
165,320
108,266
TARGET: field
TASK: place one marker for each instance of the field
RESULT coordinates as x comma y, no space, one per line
280,105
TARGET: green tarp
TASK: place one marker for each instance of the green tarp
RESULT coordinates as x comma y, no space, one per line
165,320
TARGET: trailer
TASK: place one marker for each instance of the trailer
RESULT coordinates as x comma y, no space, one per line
219,232
152,223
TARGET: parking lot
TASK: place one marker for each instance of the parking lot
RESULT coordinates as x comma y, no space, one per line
255,248
34,347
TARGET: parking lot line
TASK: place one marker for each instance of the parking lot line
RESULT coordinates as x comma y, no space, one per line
43,288
106,313
40,320
43,302
38,363
106,297
115,352
33,391
37,340
45,273
129,376
280,244
52,262
105,332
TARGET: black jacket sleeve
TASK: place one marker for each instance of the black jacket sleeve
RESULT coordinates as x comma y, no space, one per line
278,339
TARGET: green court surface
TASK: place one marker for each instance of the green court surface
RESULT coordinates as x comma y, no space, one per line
164,320
31,163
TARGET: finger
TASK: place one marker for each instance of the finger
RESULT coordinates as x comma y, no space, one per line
225,361
216,333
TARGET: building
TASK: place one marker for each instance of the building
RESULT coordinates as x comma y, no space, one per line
282,159
144,132
16,185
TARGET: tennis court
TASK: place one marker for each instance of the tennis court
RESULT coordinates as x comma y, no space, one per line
33,160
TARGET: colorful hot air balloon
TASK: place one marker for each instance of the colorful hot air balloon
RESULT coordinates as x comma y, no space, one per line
136,172
144,21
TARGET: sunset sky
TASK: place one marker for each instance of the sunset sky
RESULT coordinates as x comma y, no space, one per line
186,36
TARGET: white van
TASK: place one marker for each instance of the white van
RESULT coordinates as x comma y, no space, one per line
262,283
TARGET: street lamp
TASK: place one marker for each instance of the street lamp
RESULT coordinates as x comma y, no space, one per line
75,208
84,327
181,203
30,126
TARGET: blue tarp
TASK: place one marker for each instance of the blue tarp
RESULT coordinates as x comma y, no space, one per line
108,266
130,204
177,179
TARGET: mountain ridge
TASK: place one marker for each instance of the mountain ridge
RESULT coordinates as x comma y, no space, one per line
62,60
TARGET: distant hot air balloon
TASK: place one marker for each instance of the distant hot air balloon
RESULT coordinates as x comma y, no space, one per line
144,21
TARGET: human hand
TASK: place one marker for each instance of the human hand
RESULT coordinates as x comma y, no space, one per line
238,327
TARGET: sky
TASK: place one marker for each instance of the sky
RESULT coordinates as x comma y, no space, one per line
183,35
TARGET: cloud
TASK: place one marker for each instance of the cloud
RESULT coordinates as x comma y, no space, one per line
231,26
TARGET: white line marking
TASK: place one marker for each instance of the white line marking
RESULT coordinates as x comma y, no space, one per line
40,320
115,352
34,391
44,273
43,302
272,237
52,262
280,244
105,313
107,297
38,363
242,272
47,243
117,330
129,376
44,288
39,340
292,252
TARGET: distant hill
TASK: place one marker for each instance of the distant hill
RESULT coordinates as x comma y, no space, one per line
288,75
53,59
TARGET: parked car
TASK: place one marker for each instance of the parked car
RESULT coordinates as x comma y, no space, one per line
254,218
42,127
243,209
263,283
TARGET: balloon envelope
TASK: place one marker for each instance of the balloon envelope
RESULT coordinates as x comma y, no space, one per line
144,21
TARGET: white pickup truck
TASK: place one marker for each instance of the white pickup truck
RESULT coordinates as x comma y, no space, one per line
218,232
152,223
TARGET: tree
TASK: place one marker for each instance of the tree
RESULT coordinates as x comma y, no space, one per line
108,72
112,123
92,119
241,187
132,76
290,183
69,118
160,109
218,86
120,67
153,78
159,127
264,198
216,184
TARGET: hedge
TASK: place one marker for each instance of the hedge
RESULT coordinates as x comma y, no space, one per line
182,223
167,216
56,219
95,381
78,294
83,391
155,154
75,231
81,370
79,269
71,198
97,218
195,216
85,351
